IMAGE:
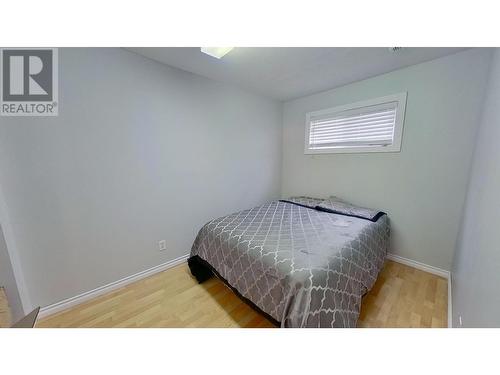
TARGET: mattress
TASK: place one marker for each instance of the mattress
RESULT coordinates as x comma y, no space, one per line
301,266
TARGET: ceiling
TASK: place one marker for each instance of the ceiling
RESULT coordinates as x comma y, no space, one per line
289,73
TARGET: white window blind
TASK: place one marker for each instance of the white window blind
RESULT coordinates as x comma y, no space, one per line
357,127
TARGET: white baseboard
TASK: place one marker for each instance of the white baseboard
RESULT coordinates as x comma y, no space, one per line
76,300
419,266
430,269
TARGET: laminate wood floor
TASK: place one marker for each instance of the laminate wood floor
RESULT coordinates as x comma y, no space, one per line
5,316
402,297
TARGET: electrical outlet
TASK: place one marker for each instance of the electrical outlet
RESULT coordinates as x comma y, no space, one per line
162,245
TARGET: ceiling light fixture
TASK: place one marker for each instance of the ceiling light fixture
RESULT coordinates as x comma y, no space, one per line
216,52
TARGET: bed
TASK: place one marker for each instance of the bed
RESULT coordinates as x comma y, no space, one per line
303,262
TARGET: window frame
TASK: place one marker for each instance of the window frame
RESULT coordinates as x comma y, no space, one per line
400,98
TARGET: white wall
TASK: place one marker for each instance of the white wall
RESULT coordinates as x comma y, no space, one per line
139,152
476,270
423,187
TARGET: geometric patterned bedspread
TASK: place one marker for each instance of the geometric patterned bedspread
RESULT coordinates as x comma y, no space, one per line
303,267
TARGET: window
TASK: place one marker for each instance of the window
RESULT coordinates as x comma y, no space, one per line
374,125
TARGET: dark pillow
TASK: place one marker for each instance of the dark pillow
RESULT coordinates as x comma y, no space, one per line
304,201
338,206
